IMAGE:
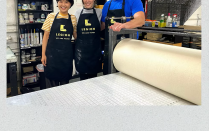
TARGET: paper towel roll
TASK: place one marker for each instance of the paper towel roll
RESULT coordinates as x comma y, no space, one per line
176,70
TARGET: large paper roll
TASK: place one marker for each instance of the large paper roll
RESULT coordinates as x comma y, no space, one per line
176,70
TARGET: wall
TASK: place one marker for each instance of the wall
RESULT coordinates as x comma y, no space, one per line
12,31
193,19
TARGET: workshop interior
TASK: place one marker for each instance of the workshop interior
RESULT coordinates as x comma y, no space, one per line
158,64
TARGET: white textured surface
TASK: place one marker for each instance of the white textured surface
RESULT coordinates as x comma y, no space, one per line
176,70
114,89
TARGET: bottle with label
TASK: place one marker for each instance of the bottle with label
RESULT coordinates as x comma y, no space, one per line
19,6
37,36
29,38
32,39
169,21
41,37
162,20
22,40
26,38
174,22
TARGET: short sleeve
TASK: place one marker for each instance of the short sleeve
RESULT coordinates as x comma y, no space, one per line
137,6
74,22
46,26
104,11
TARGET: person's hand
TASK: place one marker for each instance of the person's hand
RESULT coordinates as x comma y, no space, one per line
117,26
43,60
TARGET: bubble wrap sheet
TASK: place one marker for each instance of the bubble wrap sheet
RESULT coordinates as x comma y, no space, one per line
113,89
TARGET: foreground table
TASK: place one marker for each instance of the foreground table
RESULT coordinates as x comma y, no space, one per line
114,89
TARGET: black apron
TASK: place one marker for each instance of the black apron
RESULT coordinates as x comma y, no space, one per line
88,44
59,51
108,23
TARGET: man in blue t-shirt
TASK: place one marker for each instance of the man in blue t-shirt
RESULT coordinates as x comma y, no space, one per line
119,8
131,8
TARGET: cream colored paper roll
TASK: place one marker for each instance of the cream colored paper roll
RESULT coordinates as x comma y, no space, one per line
176,70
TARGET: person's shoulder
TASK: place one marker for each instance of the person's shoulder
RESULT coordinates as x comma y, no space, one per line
73,17
52,14
134,1
106,5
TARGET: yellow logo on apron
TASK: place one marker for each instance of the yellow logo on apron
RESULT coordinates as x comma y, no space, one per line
112,21
87,22
62,28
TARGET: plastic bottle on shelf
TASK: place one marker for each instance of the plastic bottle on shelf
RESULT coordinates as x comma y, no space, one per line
32,38
162,20
174,22
37,36
22,40
41,37
26,38
169,21
29,38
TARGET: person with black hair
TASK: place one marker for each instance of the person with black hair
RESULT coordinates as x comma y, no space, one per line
88,46
57,51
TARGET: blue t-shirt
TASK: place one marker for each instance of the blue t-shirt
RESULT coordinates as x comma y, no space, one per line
131,7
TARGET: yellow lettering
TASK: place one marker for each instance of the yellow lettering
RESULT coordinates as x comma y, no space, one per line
87,22
62,28
112,21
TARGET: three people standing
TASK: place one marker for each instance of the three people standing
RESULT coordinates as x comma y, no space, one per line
57,52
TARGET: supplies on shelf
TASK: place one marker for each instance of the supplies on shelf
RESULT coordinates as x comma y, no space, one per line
28,56
30,38
28,18
34,6
29,78
165,21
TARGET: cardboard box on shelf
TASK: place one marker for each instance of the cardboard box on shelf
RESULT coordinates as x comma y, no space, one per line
188,27
27,69
31,78
154,36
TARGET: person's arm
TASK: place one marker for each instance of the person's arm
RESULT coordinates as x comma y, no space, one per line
137,11
104,14
44,45
102,26
75,35
138,21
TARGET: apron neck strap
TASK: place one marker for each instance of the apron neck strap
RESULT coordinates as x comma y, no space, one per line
58,13
123,4
88,9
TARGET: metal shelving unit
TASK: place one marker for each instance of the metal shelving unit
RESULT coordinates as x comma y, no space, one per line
32,26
